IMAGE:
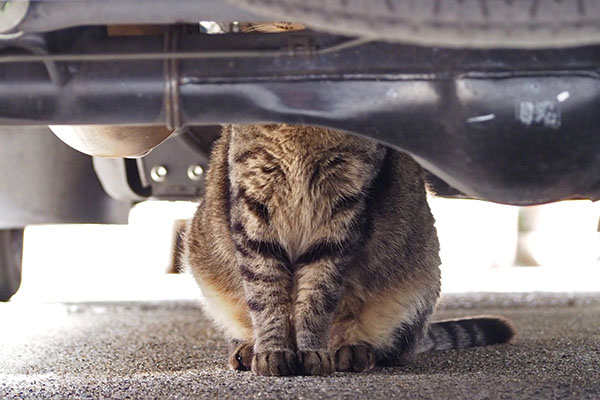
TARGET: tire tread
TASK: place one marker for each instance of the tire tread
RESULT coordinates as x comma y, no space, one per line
471,23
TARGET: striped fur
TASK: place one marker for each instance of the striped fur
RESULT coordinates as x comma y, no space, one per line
316,251
467,332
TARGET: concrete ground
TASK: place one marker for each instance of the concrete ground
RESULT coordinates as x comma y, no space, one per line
168,350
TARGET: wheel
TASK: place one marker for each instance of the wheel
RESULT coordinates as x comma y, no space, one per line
454,23
11,257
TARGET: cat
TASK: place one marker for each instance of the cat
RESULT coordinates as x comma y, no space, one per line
316,252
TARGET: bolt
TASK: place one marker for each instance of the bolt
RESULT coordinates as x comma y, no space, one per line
158,173
195,172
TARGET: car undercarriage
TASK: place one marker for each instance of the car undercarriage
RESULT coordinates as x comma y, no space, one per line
494,114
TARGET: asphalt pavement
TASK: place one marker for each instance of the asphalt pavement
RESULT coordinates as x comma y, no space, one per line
168,350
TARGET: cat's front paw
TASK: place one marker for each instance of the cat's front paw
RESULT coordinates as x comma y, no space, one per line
275,363
240,358
317,362
355,358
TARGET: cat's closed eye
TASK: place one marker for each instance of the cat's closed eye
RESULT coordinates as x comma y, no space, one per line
335,161
269,168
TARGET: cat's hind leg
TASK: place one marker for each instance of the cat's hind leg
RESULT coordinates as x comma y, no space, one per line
240,355
382,329
354,358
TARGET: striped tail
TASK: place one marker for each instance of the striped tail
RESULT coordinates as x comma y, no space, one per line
467,332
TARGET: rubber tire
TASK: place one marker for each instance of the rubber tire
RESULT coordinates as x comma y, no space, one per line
450,23
11,261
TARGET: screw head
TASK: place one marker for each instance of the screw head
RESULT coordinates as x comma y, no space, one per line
195,172
158,173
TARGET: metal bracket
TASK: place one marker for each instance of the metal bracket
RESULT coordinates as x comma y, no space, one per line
172,171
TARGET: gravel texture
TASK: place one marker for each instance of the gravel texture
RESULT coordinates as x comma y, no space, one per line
168,350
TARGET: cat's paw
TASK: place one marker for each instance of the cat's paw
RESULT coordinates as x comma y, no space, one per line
356,358
240,358
275,363
315,362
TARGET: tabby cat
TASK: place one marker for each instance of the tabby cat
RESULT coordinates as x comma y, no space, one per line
316,252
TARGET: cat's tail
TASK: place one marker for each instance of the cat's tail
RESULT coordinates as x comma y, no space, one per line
467,332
